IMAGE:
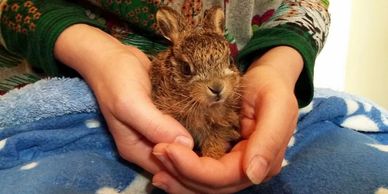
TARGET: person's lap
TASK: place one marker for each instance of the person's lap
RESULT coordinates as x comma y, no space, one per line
74,153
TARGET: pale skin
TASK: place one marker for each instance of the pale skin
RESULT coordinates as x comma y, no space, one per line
118,76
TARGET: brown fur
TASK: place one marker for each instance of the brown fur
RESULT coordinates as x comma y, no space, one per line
212,119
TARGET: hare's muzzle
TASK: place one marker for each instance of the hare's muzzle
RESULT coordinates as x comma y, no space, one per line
216,92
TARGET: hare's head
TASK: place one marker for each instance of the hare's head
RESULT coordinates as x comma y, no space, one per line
200,56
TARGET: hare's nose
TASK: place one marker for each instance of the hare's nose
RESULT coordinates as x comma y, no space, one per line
216,89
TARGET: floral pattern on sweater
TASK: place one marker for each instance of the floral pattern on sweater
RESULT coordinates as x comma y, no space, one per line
133,22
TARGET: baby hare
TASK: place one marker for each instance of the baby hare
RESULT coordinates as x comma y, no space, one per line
196,81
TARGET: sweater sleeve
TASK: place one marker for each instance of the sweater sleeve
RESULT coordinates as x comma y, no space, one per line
140,14
30,29
301,24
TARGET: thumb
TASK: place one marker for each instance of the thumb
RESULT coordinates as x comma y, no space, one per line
157,127
268,140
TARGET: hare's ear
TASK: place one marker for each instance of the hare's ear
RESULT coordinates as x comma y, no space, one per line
170,23
214,19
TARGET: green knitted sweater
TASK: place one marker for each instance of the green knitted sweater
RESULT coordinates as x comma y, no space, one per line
29,30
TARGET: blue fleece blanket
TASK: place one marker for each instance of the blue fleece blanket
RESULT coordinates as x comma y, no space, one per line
54,140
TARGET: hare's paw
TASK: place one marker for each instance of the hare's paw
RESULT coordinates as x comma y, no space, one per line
214,147
214,152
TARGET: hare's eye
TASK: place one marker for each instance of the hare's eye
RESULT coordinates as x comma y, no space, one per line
186,69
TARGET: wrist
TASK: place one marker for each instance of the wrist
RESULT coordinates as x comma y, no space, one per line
282,62
92,52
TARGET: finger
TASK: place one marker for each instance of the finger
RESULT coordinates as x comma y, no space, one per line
159,151
173,184
133,147
168,183
277,164
273,129
247,116
163,179
152,123
203,170
175,181
247,126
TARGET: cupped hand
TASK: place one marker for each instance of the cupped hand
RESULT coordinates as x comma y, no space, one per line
118,76
135,123
268,119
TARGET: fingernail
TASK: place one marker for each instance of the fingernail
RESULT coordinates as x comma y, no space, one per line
257,169
185,141
160,185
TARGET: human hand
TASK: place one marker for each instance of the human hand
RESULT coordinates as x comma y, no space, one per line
269,116
118,76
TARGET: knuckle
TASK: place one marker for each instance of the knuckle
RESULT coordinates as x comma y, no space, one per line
120,105
153,130
157,132
272,143
127,147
